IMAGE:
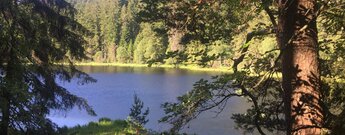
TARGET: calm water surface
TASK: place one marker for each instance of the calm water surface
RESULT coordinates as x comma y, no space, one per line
112,97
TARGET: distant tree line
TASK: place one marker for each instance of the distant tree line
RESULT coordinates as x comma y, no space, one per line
120,34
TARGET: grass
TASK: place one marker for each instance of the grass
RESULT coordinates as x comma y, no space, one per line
187,67
102,127
105,126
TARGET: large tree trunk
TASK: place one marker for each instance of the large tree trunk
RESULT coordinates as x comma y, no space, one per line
297,37
175,38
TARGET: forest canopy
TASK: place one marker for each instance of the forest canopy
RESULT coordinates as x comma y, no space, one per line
286,58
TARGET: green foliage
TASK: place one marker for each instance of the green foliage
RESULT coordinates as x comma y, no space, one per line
195,51
201,54
129,28
332,41
103,126
220,50
113,42
148,45
198,24
203,21
122,54
101,17
176,58
37,34
258,79
207,95
136,115
333,17
137,118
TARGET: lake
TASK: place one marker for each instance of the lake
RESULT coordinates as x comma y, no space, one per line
112,97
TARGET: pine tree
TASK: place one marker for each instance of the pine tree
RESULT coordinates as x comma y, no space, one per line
36,35
149,46
136,113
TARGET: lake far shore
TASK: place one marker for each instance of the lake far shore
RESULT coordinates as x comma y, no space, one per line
187,67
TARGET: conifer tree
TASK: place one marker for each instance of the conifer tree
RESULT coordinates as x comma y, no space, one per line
36,36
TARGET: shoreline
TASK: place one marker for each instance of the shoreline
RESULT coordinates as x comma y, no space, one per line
191,67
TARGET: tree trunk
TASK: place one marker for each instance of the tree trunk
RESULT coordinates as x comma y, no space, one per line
5,96
5,118
297,38
175,37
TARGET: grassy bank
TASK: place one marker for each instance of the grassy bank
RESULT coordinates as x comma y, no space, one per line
187,67
103,127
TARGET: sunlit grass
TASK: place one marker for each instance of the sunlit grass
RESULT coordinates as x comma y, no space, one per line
187,67
224,69
103,127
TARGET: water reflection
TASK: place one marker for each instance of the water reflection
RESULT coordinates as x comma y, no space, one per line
143,70
112,97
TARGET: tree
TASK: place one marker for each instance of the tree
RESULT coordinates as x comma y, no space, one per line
220,51
35,36
102,18
192,20
305,102
149,45
136,116
129,30
300,67
125,32
122,54
136,111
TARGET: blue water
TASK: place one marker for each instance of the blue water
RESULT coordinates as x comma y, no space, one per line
112,97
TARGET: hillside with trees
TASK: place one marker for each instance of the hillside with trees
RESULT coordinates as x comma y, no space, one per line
286,58
120,35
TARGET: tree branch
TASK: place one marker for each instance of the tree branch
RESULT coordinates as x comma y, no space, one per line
269,13
256,107
245,47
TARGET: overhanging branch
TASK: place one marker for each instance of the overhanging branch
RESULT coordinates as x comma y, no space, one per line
245,47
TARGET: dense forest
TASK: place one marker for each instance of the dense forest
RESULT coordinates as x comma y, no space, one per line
121,35
286,58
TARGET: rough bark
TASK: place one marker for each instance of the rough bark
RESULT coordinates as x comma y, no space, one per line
297,37
5,118
175,37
